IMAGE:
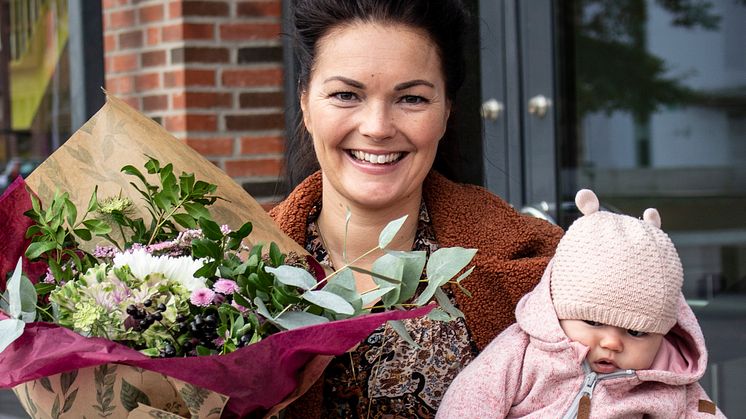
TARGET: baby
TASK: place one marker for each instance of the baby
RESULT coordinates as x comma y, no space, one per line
606,333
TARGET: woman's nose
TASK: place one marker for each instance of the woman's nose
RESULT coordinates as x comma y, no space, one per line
377,122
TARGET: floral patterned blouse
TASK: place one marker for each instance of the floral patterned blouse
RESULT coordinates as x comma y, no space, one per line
385,377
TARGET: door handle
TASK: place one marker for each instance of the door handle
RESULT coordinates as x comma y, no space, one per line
492,109
539,105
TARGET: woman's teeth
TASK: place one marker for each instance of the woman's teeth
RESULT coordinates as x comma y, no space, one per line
375,158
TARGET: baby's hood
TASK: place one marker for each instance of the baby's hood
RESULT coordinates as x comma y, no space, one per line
681,360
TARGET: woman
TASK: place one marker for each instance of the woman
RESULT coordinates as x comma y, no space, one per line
377,80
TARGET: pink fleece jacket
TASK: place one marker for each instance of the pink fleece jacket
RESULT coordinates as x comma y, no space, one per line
532,370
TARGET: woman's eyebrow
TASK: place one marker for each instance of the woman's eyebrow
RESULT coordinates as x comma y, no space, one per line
354,83
412,83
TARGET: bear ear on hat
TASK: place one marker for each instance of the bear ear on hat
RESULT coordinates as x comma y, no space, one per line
586,201
651,216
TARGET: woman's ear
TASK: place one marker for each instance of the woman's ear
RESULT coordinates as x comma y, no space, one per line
304,110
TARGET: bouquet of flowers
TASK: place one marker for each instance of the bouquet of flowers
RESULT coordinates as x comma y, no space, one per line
133,302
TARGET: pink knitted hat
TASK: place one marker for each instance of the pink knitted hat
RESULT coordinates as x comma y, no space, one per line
617,270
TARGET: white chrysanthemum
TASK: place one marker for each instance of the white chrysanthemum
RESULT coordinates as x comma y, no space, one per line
180,269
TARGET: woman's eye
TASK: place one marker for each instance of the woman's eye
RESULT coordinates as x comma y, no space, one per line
344,96
413,100
592,323
635,333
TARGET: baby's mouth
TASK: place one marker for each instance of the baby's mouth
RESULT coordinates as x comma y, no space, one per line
388,158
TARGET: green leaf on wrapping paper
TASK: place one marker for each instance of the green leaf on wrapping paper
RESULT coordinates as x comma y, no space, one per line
104,379
30,402
215,411
44,381
443,265
194,397
67,379
293,276
402,331
69,401
389,232
329,301
130,396
56,408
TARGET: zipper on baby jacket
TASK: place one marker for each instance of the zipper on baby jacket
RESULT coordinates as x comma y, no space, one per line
581,402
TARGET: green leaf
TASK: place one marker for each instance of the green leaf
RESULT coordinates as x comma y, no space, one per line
93,202
262,309
203,351
343,284
438,315
72,212
83,233
389,232
329,301
97,227
105,377
372,296
210,229
46,384
447,305
196,210
10,330
56,408
275,255
393,267
43,288
443,265
293,276
241,300
414,263
185,220
402,331
37,249
21,296
152,165
206,248
295,319
194,397
186,184
130,396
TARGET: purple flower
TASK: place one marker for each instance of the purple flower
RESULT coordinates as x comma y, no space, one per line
49,278
225,286
202,297
105,252
239,307
225,229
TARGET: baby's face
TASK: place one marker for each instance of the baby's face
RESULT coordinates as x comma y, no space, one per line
613,348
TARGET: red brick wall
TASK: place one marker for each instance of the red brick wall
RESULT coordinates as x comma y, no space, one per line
210,72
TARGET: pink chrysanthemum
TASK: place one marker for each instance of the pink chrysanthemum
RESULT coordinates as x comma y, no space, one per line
225,286
202,297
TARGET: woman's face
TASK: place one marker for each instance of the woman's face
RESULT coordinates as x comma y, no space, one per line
376,108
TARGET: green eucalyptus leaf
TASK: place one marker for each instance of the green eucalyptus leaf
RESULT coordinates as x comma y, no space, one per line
10,330
438,315
293,276
97,227
262,309
446,304
371,297
402,331
329,301
464,290
210,229
343,284
443,265
393,267
414,263
37,249
295,319
389,232
380,276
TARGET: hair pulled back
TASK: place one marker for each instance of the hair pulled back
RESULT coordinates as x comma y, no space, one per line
443,20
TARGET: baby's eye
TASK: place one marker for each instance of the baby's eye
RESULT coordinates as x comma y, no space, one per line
635,333
592,323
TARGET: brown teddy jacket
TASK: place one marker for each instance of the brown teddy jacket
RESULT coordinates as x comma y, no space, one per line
513,251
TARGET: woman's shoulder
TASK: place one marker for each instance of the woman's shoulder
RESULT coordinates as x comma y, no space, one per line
466,214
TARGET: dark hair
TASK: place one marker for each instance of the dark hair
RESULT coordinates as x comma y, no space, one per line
443,20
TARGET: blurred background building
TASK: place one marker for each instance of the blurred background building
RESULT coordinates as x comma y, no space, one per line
643,101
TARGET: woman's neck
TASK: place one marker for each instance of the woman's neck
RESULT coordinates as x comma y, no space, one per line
364,227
